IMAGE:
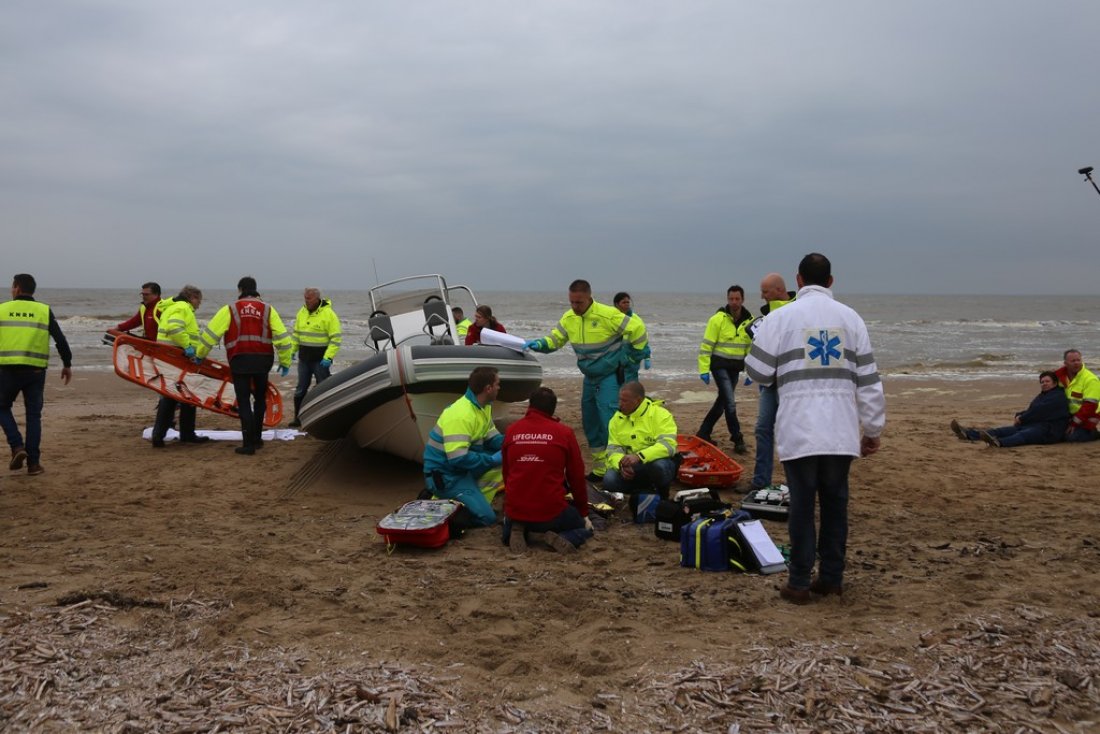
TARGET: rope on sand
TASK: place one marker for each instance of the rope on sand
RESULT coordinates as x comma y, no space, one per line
312,469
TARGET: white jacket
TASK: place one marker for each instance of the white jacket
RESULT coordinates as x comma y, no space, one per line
819,354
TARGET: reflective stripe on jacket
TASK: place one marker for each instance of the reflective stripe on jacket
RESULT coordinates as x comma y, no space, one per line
817,352
319,328
726,338
598,338
178,325
25,333
649,431
463,440
250,327
1083,393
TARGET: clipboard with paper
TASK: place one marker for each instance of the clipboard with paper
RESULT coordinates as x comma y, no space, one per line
764,550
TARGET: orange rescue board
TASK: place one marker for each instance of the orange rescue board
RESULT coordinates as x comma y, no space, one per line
163,368
704,464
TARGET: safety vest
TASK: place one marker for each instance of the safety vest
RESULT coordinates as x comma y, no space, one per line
1084,390
249,326
463,439
649,431
462,327
597,337
249,331
25,333
178,326
725,338
319,328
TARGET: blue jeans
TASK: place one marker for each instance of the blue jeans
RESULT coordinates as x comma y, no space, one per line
811,478
1010,436
569,525
32,383
765,436
1079,435
725,380
654,475
307,372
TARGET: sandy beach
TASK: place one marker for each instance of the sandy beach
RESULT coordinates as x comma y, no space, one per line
191,589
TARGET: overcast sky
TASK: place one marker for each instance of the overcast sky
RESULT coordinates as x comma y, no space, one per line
926,147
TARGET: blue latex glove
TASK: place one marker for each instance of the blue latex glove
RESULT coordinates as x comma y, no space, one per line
283,371
705,377
648,363
497,458
189,352
748,381
535,344
326,363
196,360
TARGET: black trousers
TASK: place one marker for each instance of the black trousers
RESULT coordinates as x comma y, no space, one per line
166,410
251,393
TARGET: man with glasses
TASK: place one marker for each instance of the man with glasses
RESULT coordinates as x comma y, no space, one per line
148,314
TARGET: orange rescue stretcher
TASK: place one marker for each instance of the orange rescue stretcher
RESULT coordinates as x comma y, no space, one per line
704,464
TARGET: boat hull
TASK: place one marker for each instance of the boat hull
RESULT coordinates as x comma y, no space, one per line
391,401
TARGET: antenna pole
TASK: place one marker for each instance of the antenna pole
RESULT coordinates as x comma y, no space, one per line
1087,173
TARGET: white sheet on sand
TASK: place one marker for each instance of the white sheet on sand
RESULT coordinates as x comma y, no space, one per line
272,434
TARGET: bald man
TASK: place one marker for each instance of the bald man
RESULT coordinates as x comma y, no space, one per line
774,293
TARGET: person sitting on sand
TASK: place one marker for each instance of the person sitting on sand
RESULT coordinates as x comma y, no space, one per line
1082,389
543,462
641,445
1044,421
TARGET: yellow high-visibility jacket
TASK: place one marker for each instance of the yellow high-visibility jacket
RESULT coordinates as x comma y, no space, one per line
650,432
726,338
319,328
598,338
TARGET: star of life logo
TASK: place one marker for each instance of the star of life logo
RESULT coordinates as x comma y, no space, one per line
823,347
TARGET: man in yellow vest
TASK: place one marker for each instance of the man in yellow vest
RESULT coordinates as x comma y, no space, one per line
148,314
25,330
642,444
603,339
317,339
463,456
462,324
722,353
1083,392
178,328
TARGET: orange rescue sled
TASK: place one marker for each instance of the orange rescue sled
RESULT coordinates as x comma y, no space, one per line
164,369
704,464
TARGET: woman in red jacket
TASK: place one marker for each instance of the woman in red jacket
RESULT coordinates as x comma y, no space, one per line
483,319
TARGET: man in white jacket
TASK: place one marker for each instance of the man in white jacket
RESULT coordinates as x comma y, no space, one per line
817,352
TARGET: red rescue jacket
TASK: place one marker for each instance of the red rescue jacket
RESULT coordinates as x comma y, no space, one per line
540,456
249,331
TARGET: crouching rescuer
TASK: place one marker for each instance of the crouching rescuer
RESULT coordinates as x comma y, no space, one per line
462,459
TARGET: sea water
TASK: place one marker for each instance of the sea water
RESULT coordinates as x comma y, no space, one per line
914,337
